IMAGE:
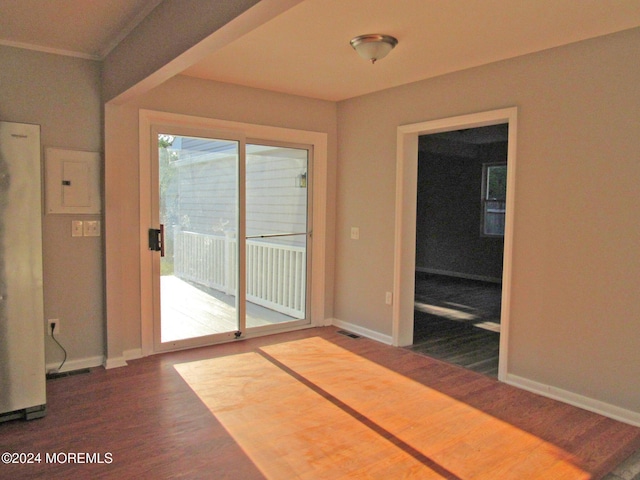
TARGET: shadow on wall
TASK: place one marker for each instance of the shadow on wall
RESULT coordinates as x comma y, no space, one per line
5,183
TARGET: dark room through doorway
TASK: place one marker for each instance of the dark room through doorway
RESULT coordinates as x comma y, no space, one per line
460,218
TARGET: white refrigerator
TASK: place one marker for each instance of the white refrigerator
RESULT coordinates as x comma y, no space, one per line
22,364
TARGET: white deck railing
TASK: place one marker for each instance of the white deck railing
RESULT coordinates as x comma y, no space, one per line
276,274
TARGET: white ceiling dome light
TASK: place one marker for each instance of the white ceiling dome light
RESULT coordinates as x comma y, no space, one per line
373,46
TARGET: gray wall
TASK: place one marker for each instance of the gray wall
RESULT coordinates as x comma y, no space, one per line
62,94
574,306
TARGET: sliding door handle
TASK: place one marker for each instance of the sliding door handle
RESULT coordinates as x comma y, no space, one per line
156,240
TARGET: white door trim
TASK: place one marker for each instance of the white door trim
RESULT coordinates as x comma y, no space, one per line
405,220
317,140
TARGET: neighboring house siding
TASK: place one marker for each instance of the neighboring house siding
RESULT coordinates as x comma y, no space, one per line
202,196
274,203
205,196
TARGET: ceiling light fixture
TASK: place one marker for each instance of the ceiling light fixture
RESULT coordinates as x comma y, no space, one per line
373,46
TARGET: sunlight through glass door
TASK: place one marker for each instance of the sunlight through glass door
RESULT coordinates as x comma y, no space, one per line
277,220
198,213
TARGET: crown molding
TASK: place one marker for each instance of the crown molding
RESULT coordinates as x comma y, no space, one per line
55,51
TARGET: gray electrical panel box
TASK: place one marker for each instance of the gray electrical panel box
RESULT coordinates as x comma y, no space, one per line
72,181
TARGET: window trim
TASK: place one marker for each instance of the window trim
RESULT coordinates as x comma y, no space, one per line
483,199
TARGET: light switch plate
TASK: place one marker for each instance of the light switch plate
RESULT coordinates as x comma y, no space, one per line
91,228
77,228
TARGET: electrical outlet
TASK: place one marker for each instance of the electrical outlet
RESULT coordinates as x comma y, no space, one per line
50,322
388,298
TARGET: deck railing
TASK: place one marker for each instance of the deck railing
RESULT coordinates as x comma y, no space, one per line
276,274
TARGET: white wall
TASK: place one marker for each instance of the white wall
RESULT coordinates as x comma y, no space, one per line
576,267
62,94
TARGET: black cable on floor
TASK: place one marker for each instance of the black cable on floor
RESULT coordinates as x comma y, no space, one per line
65,352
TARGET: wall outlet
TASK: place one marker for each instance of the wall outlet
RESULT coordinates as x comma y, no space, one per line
388,298
49,322
355,233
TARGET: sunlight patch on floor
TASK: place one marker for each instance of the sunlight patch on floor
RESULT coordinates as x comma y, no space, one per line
444,312
294,417
491,326
460,438
287,429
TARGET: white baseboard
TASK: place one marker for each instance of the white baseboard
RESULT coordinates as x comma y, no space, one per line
116,362
590,404
365,332
78,364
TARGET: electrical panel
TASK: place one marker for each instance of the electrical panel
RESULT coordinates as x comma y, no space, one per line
72,181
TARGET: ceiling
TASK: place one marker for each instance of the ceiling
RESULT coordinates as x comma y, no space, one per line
305,51
82,28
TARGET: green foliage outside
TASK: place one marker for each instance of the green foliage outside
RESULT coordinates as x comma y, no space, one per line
167,174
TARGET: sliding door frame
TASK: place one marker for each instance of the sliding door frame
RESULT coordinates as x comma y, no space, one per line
148,119
257,331
240,229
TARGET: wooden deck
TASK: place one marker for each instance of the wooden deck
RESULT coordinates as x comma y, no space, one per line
189,311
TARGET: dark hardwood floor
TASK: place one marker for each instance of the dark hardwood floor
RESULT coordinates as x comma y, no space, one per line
144,421
458,321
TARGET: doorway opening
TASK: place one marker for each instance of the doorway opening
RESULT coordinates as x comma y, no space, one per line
460,218
408,139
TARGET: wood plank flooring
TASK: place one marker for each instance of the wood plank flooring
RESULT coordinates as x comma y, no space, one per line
454,439
154,425
287,429
458,321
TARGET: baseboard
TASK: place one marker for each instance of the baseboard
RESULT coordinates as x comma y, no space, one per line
449,273
365,332
116,362
586,403
88,362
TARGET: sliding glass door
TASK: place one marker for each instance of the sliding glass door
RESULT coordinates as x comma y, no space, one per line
277,220
231,238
